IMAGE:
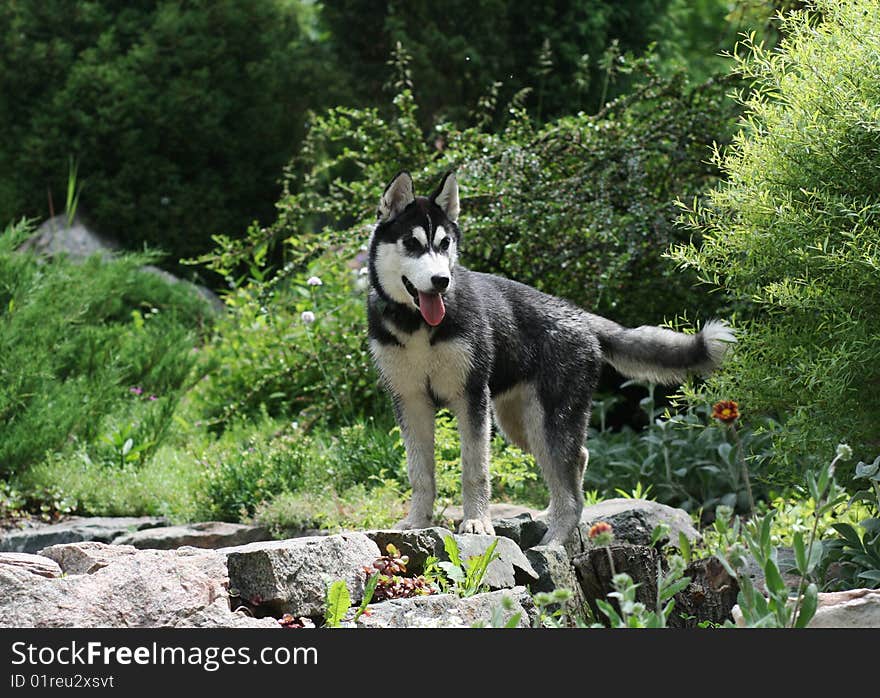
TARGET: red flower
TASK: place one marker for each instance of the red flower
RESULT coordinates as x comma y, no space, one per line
726,411
601,533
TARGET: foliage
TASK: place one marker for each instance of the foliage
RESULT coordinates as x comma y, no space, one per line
266,355
857,556
337,603
371,505
75,339
389,579
460,577
513,473
775,610
159,104
461,53
691,461
790,237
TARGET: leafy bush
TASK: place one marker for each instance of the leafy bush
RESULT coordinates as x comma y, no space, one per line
582,207
294,349
76,338
791,236
457,54
180,115
687,459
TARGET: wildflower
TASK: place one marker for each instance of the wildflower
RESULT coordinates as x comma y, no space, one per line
136,390
308,317
601,533
152,398
844,452
314,281
726,411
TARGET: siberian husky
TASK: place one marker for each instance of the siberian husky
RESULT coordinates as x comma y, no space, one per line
484,346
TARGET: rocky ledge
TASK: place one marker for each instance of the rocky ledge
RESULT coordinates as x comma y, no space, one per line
144,573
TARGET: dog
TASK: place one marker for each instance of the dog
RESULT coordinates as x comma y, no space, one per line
483,346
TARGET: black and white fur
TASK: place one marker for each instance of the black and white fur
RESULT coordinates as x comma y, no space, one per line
502,348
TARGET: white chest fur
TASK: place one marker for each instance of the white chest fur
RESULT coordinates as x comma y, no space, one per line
408,368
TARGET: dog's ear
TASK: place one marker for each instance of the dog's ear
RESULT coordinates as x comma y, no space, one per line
446,196
397,196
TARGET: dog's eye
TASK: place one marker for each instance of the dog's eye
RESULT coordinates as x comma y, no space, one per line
444,244
412,244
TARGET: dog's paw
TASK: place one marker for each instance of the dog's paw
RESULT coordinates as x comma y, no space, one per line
481,527
409,524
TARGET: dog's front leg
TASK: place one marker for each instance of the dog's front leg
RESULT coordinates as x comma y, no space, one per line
475,429
415,416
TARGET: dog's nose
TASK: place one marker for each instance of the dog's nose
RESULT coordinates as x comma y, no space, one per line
440,282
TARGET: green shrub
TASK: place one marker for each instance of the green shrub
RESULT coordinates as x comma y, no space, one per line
379,505
791,236
268,356
686,459
180,115
75,339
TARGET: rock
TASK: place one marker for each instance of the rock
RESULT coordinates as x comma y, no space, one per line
855,608
35,564
131,588
523,530
218,615
633,521
509,569
446,610
210,534
291,576
55,237
555,571
74,530
418,544
497,512
87,557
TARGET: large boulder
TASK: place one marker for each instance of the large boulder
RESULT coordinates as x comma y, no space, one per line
291,576
210,534
446,610
75,240
103,529
633,521
122,587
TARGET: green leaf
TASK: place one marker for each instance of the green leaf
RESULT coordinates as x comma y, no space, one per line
453,571
870,575
773,579
684,545
808,607
337,605
849,534
369,590
868,470
514,621
765,532
672,589
451,548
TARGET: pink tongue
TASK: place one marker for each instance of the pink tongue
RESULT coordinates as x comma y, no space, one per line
432,308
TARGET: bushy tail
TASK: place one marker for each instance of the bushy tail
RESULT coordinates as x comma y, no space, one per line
660,355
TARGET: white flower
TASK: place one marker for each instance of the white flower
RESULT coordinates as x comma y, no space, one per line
308,317
844,451
314,281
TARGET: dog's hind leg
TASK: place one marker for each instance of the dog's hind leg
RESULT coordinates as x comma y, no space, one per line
415,415
556,442
475,429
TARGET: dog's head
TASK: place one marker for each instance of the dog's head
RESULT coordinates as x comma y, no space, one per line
415,246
